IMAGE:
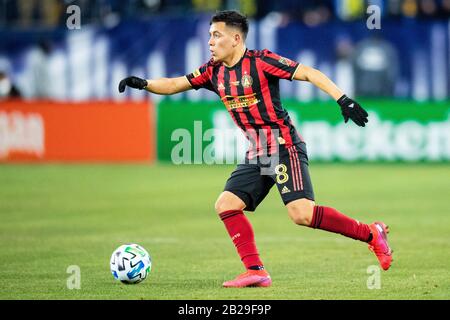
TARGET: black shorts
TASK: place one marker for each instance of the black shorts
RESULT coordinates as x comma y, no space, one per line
251,182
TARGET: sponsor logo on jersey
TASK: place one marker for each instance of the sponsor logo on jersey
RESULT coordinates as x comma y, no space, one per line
232,102
220,86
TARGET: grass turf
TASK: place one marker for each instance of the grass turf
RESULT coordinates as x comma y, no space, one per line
55,216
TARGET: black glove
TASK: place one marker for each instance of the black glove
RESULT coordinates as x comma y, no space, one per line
352,110
132,82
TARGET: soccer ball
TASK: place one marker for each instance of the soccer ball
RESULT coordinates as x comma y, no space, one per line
130,263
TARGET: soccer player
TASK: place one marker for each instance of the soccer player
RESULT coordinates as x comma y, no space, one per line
247,81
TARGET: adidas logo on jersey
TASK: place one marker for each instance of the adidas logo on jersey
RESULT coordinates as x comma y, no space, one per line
285,190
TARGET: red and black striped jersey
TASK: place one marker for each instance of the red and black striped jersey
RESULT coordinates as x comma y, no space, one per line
250,92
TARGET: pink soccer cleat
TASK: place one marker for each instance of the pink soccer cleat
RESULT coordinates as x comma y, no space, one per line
379,244
250,278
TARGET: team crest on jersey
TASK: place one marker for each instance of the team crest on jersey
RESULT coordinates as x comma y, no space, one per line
246,81
285,61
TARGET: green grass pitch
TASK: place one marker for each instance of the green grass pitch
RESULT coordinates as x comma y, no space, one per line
55,216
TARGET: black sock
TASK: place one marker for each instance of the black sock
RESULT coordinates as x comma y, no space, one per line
256,268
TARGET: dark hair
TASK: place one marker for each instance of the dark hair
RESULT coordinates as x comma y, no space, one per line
232,18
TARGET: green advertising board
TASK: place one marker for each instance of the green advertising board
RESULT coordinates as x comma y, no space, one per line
203,132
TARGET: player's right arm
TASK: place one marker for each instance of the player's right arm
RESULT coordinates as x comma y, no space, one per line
164,86
200,78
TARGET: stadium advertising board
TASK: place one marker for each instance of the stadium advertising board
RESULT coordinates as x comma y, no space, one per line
87,132
203,132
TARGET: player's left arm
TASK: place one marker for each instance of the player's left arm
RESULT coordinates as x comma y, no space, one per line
350,108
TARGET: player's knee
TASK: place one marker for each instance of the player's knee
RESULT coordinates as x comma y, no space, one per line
301,211
220,206
228,201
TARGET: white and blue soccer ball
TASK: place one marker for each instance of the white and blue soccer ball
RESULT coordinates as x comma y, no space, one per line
130,263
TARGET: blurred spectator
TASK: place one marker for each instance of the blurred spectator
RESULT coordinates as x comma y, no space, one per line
350,9
445,8
409,8
428,9
309,12
207,5
344,69
247,7
375,65
7,88
46,12
51,13
394,8
152,5
39,68
317,12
